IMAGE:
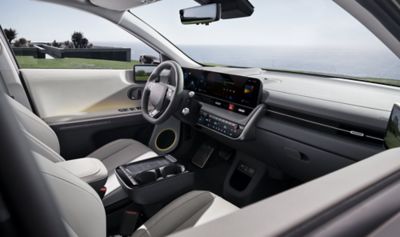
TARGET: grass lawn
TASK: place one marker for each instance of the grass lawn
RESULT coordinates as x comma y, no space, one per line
83,63
73,63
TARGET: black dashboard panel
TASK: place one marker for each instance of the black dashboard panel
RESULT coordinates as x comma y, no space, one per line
234,93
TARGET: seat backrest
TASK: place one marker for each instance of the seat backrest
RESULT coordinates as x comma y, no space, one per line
81,208
42,138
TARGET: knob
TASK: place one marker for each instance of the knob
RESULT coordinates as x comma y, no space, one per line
185,111
191,94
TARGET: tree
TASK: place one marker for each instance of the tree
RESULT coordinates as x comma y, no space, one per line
23,42
76,39
79,41
84,43
11,34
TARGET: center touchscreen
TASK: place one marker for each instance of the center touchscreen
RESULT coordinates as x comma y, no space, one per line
392,137
235,93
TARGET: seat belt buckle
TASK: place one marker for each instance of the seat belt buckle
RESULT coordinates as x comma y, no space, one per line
128,223
102,191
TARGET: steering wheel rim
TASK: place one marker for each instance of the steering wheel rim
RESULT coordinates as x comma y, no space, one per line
162,96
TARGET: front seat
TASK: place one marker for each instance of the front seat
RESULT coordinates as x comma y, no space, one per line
84,215
45,142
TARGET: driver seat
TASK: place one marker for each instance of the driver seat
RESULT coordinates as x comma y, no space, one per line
44,141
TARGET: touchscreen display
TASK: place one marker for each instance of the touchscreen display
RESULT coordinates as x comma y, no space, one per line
392,137
224,88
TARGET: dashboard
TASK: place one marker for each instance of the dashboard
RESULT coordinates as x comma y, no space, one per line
231,92
235,97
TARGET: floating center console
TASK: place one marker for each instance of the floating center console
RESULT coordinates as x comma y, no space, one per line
154,180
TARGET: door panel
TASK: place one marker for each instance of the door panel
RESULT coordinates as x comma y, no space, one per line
87,108
66,93
80,138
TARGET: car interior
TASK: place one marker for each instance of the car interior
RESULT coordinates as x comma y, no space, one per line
195,149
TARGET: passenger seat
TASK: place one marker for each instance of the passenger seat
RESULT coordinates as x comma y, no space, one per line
84,215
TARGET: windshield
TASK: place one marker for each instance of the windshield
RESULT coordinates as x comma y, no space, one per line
312,36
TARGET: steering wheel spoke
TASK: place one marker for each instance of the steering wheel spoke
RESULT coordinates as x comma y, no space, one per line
154,113
170,93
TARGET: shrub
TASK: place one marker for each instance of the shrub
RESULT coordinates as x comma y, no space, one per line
68,45
55,44
23,42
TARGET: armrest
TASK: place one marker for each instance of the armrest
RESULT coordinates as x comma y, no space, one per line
90,170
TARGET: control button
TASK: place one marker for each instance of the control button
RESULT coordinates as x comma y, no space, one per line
231,107
185,111
123,110
240,110
191,94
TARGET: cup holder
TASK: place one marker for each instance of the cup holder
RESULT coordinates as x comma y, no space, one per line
146,177
171,170
153,175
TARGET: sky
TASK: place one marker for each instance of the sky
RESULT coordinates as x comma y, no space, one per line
274,22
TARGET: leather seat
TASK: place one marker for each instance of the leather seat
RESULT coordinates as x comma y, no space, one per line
190,210
45,142
84,215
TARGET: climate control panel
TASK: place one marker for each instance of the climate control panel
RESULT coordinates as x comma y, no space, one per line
220,125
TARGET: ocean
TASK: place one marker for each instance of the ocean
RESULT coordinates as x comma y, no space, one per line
355,62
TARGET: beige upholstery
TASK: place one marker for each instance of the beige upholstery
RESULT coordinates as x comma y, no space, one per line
89,170
190,210
119,152
45,142
84,215
35,126
81,208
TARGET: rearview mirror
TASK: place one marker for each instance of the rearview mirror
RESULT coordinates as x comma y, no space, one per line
204,14
141,72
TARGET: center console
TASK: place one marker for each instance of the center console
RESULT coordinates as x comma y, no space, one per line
219,124
154,180
229,104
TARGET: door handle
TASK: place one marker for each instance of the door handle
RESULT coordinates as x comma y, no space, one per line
135,93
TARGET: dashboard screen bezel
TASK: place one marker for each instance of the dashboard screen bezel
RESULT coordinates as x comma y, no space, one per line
248,108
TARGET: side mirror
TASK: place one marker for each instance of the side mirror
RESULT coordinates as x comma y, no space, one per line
141,72
204,14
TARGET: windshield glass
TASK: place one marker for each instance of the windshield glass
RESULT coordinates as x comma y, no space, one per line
313,36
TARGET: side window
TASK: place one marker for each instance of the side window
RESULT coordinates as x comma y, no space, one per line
70,39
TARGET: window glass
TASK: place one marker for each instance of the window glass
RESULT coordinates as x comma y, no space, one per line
44,35
313,36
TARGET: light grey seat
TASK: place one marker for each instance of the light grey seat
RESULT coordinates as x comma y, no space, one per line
45,142
84,215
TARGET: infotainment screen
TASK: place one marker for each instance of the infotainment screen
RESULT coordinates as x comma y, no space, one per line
392,137
236,93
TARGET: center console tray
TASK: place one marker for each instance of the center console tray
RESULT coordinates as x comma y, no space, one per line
154,180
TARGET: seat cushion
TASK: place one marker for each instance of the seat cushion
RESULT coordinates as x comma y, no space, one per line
189,210
121,152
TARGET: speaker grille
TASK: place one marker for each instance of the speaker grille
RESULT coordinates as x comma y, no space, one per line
165,139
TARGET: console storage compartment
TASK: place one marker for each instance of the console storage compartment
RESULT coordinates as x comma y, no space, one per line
154,180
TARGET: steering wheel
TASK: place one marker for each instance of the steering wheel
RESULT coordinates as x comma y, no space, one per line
159,99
